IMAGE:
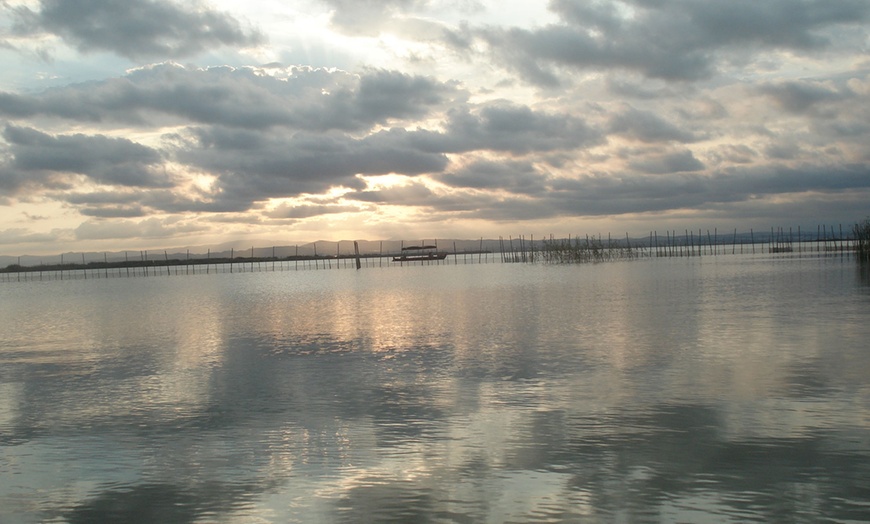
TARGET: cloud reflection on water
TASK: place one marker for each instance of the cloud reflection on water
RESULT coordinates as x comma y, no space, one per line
612,392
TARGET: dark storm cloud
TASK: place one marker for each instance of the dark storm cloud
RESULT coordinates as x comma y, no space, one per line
107,204
646,126
137,29
299,97
604,195
252,166
113,212
643,193
803,96
673,162
390,93
305,157
502,126
37,157
514,176
667,39
734,153
104,197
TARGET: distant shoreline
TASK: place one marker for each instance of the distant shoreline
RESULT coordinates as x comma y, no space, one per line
175,262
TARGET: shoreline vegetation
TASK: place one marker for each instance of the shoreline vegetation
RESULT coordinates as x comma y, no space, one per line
569,250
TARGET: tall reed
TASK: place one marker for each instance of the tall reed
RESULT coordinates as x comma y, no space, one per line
861,232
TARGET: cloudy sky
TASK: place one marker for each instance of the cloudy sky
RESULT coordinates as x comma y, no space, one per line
156,123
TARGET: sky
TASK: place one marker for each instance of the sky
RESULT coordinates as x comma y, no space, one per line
155,124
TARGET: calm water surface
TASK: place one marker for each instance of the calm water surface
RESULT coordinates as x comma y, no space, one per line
716,389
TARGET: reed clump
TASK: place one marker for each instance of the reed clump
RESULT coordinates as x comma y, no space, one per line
583,250
861,232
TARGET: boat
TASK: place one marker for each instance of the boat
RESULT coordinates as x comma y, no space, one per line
420,254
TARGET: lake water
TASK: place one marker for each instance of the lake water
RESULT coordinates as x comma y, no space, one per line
714,389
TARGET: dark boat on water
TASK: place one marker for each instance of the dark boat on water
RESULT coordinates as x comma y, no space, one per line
420,254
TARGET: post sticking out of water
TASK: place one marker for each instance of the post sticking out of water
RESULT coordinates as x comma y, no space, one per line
356,253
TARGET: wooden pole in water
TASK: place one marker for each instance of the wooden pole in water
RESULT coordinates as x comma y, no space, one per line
85,269
356,252
532,248
166,258
818,237
841,239
480,250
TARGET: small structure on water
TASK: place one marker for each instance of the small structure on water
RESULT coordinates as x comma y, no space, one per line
420,254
